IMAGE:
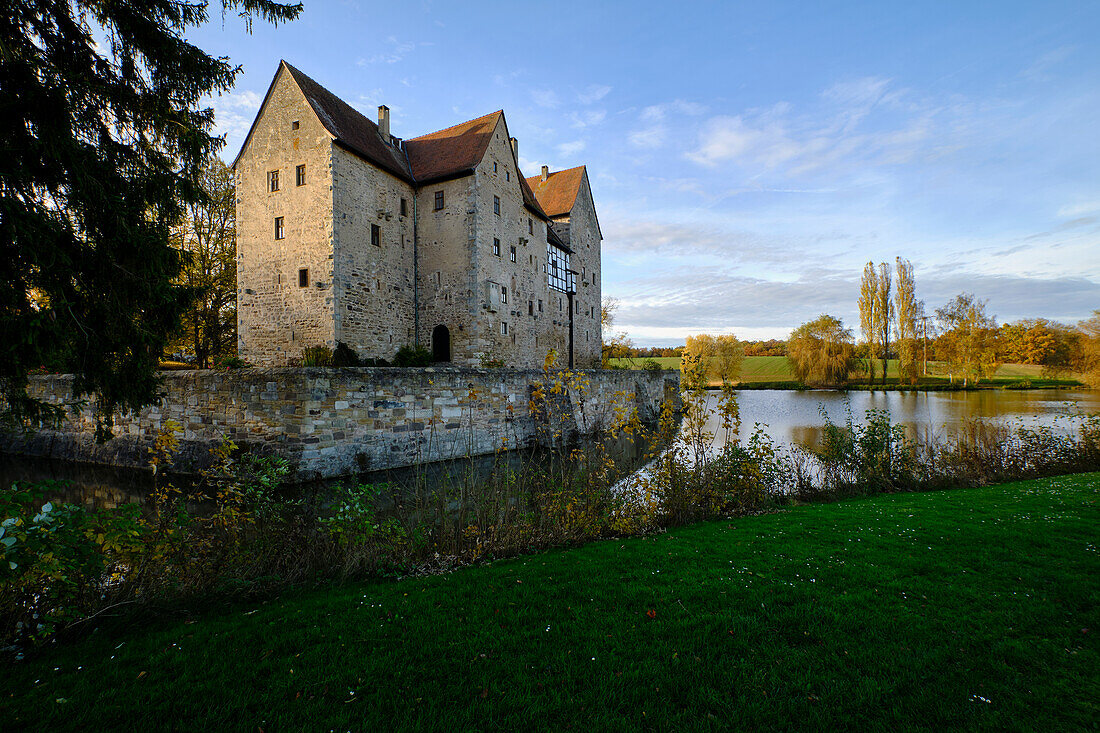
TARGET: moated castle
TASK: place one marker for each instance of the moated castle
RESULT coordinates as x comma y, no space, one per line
346,233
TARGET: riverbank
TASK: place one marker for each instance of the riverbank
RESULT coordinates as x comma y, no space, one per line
774,372
962,609
924,385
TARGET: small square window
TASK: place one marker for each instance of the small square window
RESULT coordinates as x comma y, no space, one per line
496,205
512,253
438,200
279,231
300,175
303,277
294,125
273,181
503,328
404,207
496,246
376,235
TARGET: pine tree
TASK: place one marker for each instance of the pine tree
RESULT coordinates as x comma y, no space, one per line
104,147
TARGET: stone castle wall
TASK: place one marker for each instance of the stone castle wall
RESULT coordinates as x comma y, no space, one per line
334,422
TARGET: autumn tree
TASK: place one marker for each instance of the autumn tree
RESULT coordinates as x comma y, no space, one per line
884,315
206,237
615,345
868,314
104,148
821,353
1055,346
1089,360
906,311
967,341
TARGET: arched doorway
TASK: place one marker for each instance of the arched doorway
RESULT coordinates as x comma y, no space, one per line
441,344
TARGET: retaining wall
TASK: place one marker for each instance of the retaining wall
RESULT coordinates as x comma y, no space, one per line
334,422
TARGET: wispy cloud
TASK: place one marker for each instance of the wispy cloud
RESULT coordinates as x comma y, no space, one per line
547,98
779,139
587,118
392,52
593,93
648,138
233,115
658,112
571,148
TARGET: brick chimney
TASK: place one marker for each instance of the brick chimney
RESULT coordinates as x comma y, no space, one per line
384,122
545,172
515,148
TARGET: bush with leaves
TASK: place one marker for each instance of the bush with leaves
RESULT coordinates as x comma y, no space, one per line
412,356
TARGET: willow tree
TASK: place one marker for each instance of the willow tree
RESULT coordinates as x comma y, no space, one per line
907,310
868,293
1089,360
104,145
821,353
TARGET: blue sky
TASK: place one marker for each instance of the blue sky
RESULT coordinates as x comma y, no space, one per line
747,159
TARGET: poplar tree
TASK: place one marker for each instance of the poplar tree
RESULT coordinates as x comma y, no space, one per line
104,144
868,292
906,312
884,314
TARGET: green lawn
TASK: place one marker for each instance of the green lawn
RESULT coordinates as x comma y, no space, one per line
969,609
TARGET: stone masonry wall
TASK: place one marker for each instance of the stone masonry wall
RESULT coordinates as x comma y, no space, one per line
334,422
277,318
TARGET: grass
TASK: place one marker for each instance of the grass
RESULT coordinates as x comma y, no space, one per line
974,608
774,372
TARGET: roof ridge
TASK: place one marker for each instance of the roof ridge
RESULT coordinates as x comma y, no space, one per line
554,173
460,124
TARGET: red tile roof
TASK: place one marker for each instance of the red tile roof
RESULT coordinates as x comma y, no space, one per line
448,153
558,192
454,150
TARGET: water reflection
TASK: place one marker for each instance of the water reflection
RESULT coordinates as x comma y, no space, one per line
788,417
796,417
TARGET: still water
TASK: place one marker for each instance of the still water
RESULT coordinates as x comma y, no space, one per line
790,417
787,417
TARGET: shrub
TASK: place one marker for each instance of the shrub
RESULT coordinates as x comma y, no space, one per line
650,365
412,356
345,356
317,356
231,361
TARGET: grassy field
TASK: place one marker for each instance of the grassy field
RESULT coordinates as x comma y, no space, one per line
967,609
776,369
